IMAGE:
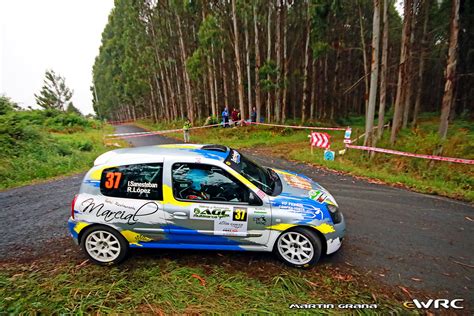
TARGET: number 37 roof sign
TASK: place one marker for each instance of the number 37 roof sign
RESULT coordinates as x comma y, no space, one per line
320,140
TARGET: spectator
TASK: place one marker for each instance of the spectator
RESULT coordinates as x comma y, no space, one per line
235,116
225,117
186,127
253,115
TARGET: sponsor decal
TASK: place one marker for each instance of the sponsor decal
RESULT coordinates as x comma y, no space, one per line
230,228
260,220
260,193
209,212
321,197
120,213
260,211
297,182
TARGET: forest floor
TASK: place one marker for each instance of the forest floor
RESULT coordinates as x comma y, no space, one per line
440,178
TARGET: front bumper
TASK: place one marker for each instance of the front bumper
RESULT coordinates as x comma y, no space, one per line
334,240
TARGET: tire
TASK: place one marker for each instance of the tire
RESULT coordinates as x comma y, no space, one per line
299,248
104,245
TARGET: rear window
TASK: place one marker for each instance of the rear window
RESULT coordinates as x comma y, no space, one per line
140,181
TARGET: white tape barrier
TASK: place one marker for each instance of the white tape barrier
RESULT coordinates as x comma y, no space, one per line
140,134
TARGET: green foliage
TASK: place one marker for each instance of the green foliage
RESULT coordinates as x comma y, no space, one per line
194,65
72,109
267,75
7,105
209,33
54,94
38,144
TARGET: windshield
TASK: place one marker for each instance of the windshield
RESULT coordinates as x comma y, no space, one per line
264,179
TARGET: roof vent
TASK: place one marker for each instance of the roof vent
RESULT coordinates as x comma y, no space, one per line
220,148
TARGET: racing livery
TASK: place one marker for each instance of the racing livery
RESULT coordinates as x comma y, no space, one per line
201,197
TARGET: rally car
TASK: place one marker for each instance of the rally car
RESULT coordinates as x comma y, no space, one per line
211,197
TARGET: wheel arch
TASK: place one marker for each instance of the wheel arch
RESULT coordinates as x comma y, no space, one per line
310,228
88,227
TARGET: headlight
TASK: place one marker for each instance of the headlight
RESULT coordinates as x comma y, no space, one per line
335,213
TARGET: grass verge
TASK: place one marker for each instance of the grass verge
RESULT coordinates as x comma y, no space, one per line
53,154
184,283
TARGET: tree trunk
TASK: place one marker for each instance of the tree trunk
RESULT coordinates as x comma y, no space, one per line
448,99
402,72
214,76
383,72
278,62
285,65
313,100
224,79
187,80
258,101
247,64
410,69
238,67
269,57
421,67
306,65
364,59
374,76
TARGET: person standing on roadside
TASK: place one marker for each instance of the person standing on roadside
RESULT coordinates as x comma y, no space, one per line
253,115
186,127
225,117
234,116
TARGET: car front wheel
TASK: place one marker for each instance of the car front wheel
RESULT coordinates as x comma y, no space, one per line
299,248
104,245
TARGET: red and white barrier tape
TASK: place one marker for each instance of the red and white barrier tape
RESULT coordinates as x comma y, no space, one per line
140,134
401,153
302,127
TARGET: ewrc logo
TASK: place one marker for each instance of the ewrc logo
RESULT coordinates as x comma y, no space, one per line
435,304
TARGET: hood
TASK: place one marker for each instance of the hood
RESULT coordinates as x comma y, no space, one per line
301,186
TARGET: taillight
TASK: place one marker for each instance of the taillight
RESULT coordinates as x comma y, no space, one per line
72,205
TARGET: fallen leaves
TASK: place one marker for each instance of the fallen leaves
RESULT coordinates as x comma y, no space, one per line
201,279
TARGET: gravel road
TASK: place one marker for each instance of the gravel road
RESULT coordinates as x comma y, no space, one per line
402,237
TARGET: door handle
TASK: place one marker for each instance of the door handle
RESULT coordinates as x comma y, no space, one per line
180,215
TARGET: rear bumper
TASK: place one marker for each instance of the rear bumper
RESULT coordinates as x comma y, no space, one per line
71,223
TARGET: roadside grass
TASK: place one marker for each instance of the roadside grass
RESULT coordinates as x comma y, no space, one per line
441,178
147,285
50,154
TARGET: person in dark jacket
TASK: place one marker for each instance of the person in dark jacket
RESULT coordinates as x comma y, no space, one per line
253,115
234,116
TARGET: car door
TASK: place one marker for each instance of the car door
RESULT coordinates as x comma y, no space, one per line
214,207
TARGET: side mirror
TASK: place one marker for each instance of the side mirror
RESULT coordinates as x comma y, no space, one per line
254,199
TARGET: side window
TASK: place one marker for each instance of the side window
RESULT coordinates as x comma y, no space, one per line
141,181
206,182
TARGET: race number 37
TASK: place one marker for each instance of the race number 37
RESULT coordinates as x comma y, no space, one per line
240,214
112,180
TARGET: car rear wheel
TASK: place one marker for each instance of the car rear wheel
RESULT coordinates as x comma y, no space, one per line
104,245
299,248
